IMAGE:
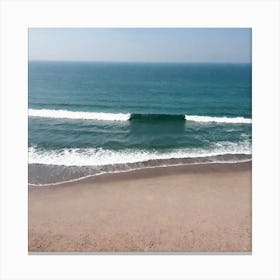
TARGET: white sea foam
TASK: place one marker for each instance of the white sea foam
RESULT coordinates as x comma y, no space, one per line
97,157
64,114
217,119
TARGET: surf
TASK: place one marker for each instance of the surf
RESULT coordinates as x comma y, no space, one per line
101,116
218,119
100,156
64,114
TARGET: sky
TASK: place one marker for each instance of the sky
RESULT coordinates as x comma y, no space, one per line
141,44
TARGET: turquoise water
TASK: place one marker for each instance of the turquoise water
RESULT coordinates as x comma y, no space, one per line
103,117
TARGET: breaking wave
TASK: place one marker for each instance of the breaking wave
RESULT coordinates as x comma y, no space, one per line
65,114
218,119
99,156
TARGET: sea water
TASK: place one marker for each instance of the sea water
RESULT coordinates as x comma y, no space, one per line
88,118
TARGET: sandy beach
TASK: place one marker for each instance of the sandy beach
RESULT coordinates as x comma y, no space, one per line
190,208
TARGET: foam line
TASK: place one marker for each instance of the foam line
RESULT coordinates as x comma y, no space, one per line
217,119
64,114
98,157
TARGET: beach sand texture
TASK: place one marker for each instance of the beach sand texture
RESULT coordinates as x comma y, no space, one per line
190,208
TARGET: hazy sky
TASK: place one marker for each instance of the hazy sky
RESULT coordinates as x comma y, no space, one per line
141,44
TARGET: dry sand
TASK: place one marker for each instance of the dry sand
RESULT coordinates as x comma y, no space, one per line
191,208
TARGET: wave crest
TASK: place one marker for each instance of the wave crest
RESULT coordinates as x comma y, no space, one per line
165,117
217,119
64,114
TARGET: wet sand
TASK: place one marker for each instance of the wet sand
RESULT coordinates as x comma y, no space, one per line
189,208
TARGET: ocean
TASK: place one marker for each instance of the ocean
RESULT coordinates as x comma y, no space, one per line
89,118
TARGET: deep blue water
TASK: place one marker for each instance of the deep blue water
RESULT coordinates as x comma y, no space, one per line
152,111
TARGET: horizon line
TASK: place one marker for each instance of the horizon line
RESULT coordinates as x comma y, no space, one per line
108,61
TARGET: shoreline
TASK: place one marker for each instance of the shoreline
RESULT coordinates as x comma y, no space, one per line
197,208
177,163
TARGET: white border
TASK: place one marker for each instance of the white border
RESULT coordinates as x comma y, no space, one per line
262,16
